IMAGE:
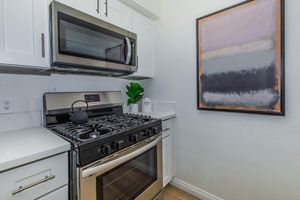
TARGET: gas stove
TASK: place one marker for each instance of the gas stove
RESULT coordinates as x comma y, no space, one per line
108,148
107,130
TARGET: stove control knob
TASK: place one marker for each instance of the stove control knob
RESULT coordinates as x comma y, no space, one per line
134,138
106,149
154,130
147,133
118,145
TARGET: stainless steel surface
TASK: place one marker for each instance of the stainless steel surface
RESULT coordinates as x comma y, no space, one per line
129,50
54,102
68,61
43,44
116,160
23,188
70,70
88,184
106,8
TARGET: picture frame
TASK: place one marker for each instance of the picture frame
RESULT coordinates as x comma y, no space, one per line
240,69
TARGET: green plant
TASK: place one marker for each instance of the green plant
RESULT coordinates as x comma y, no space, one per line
135,93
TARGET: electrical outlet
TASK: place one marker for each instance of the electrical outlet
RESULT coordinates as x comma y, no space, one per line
7,104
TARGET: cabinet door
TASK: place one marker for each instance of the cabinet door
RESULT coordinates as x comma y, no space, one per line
116,13
142,26
91,7
167,160
24,33
60,194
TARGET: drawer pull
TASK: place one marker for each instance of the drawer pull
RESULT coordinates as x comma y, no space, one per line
166,129
21,188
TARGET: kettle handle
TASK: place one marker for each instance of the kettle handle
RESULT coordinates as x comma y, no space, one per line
72,106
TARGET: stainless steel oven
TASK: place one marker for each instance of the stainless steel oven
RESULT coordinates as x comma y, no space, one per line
133,173
81,43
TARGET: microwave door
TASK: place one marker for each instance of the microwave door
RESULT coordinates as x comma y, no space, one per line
120,53
115,53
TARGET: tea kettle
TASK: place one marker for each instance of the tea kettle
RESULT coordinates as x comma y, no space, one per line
80,116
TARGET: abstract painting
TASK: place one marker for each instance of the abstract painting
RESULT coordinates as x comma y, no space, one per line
241,59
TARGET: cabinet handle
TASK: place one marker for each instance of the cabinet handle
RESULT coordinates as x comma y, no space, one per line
98,7
43,44
166,129
21,188
106,8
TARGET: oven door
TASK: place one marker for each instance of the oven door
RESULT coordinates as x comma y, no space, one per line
135,173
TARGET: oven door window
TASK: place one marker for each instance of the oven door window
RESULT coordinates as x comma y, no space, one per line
82,39
129,180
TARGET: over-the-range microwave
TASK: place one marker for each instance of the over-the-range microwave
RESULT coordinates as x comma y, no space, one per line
81,43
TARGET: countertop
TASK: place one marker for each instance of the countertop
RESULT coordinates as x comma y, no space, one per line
27,145
160,115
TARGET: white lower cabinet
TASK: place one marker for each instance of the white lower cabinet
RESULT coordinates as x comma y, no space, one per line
35,180
167,152
60,194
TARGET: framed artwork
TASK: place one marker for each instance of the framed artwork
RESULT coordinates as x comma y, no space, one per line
240,58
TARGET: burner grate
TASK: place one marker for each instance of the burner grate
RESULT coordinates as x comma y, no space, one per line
100,126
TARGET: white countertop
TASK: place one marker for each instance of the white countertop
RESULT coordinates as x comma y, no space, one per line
28,145
160,115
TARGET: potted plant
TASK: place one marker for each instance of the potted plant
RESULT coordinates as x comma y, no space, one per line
135,93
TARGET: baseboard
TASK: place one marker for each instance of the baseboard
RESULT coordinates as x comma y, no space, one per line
197,192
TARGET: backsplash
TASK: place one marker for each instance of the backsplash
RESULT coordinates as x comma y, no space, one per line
27,92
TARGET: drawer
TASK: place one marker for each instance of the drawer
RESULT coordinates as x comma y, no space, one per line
36,179
60,194
166,128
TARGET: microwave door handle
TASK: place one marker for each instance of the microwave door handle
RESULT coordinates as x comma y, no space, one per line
105,167
129,51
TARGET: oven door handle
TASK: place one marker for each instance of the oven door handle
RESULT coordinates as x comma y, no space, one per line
105,167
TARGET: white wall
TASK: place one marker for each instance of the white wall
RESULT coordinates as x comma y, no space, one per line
28,90
234,156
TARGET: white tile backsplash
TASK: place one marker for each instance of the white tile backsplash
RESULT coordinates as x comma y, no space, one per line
15,121
164,106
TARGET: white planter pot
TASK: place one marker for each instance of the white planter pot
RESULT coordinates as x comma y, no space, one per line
134,108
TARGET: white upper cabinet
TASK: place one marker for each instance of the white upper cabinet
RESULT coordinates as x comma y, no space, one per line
143,27
91,7
116,13
24,33
149,8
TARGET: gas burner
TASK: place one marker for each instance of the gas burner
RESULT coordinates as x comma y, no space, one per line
90,135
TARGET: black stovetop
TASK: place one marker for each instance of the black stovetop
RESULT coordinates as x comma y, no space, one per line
100,127
104,135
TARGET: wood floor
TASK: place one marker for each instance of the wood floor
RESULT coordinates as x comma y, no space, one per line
173,193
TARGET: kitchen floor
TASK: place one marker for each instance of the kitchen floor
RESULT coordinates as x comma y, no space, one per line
173,193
